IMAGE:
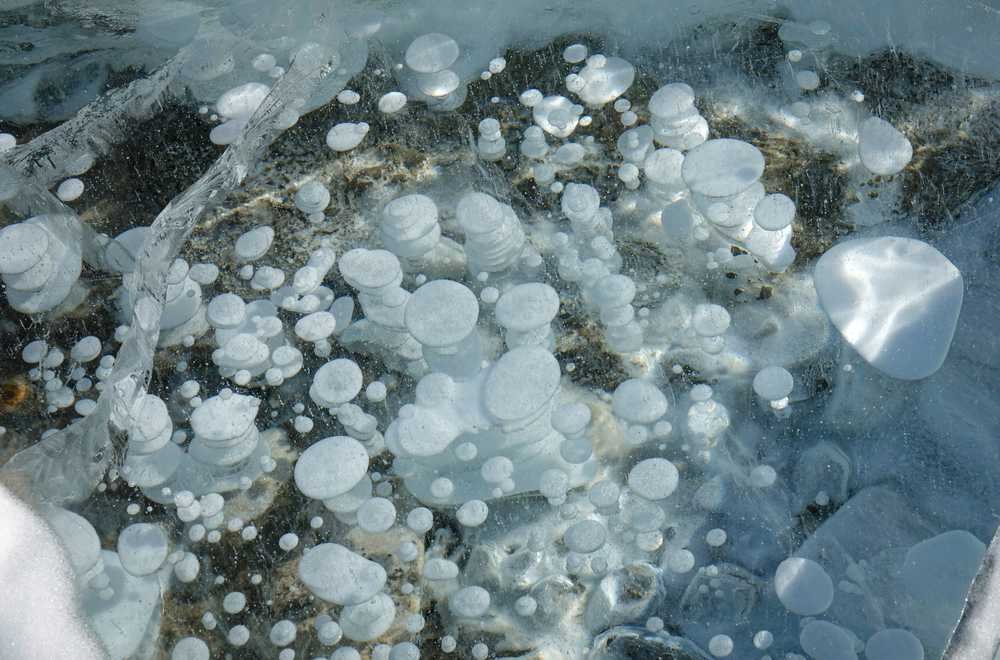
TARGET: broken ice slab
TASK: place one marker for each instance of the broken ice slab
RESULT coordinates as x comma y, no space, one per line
894,300
876,520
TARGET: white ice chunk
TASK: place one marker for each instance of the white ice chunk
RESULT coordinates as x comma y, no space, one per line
254,244
894,300
22,245
346,135
936,575
639,402
70,190
86,349
883,149
376,515
368,620
585,536
242,101
710,320
316,326
556,116
469,602
142,548
336,382
441,313
430,53
605,79
312,197
774,212
773,383
226,311
392,102
338,575
823,640
331,467
438,84
719,168
522,382
653,478
803,586
526,307
894,643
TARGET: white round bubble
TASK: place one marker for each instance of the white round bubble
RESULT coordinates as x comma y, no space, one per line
653,478
803,587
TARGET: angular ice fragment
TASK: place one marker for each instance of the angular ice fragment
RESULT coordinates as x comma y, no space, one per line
936,575
894,300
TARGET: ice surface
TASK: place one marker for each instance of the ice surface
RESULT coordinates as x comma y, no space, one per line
642,282
895,300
